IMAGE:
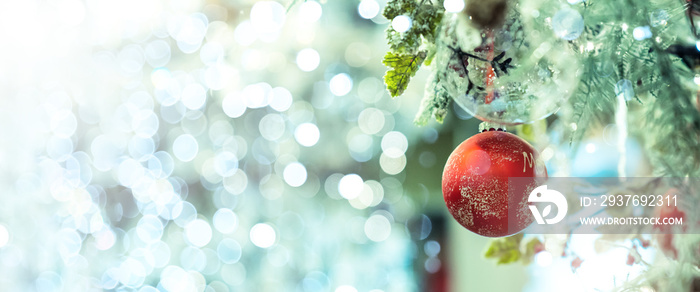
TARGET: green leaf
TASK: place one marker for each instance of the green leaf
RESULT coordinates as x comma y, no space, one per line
401,68
506,250
409,49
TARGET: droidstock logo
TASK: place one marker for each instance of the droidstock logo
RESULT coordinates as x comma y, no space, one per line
542,195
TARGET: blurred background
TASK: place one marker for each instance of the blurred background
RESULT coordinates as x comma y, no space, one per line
230,145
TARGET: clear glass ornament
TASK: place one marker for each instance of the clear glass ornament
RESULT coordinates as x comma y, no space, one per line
515,72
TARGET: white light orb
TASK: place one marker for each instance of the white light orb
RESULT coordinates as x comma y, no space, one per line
263,235
401,23
308,60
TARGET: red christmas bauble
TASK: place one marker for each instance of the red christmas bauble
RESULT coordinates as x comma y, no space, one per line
475,183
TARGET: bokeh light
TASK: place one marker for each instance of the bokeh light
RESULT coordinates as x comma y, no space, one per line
185,147
308,59
453,6
267,16
310,11
401,23
263,235
377,228
225,220
307,134
295,174
198,232
368,9
190,145
341,84
350,186
229,251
